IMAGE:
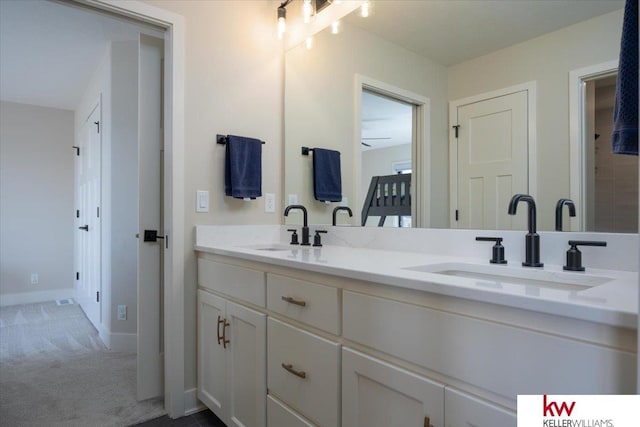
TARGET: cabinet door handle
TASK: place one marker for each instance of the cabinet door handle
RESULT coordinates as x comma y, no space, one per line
289,368
225,341
291,300
220,322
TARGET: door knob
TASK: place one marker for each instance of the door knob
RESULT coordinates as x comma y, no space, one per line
151,236
84,227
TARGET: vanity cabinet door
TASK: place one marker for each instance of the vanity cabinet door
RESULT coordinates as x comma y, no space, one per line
378,394
246,366
232,379
462,409
212,378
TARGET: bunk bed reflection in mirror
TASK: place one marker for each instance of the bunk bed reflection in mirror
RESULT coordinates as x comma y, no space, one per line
388,195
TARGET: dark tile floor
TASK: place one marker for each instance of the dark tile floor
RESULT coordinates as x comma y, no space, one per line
199,419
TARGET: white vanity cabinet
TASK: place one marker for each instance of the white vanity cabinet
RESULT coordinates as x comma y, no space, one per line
309,349
379,394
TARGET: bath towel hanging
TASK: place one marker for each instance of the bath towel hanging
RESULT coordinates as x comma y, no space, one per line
327,179
243,167
625,116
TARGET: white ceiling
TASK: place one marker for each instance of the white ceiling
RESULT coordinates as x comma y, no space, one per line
385,122
49,50
453,31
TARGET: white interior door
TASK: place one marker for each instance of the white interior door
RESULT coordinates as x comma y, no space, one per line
150,254
492,162
88,172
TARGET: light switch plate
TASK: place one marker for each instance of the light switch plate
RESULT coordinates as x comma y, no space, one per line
202,201
269,202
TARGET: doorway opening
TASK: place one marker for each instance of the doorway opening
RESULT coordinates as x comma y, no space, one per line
386,147
604,186
391,153
165,25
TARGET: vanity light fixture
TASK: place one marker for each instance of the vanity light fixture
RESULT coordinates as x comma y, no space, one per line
307,11
282,18
335,27
365,9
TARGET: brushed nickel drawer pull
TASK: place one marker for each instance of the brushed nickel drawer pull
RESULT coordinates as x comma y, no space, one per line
225,341
291,300
289,368
221,321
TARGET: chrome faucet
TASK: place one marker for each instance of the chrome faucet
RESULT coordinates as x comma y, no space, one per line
341,208
532,239
559,205
305,226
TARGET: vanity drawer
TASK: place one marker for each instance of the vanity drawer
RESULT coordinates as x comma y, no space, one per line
462,409
311,303
303,371
237,282
278,415
487,354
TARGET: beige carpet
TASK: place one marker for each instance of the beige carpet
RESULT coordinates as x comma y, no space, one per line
55,371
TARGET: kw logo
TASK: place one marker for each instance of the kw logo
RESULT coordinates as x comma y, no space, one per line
548,408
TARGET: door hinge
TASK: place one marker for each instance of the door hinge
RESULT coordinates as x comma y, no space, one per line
77,275
457,214
456,127
77,213
98,125
98,296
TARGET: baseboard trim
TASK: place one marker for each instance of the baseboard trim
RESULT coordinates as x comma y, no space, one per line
191,403
35,297
118,341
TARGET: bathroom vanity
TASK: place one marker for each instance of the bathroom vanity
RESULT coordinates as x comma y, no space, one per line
360,333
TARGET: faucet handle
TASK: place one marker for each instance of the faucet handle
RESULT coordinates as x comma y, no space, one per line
317,238
294,236
574,256
498,249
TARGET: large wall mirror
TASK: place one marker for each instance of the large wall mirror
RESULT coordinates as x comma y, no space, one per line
386,90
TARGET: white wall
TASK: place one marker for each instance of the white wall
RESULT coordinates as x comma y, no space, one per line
124,184
547,60
233,84
36,203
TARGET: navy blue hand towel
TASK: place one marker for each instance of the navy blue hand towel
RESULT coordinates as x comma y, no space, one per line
243,167
625,113
327,181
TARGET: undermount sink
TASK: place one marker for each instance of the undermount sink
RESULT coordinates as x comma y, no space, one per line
496,275
270,247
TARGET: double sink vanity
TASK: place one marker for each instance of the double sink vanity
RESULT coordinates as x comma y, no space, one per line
409,327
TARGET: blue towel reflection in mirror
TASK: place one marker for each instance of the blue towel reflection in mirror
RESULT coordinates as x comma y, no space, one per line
327,180
243,167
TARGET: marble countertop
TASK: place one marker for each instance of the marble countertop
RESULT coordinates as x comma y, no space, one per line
602,296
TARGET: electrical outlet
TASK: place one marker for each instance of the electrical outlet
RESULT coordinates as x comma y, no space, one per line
122,312
34,278
269,202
